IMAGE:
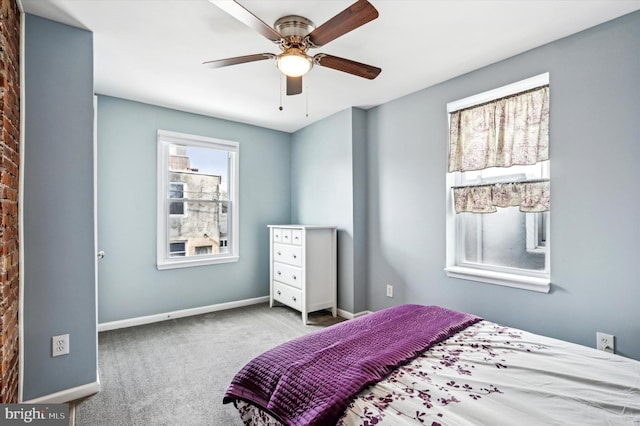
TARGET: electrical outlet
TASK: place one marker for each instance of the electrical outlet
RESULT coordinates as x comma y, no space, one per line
389,290
60,345
606,342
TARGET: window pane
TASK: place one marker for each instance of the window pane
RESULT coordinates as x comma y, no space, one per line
507,238
176,208
176,190
499,239
204,225
205,171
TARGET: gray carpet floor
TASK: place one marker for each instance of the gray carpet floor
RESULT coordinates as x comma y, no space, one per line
175,372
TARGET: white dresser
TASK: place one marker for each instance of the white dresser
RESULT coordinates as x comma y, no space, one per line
303,271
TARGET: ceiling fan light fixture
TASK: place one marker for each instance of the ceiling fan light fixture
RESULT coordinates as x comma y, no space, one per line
294,62
295,34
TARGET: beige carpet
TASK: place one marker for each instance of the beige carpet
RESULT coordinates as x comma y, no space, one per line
176,372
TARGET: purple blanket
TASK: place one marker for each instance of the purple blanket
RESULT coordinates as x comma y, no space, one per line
312,379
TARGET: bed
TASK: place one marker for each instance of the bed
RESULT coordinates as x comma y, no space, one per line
427,365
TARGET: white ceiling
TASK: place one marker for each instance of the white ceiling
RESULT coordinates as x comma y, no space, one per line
152,50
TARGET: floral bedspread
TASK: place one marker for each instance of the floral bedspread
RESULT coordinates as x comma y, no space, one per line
494,375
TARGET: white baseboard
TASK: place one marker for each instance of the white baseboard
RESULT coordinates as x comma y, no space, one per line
67,395
348,315
359,314
113,325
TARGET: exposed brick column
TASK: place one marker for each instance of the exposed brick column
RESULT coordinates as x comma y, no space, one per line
9,162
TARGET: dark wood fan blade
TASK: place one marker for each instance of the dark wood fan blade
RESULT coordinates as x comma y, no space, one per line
238,60
236,10
349,19
346,65
294,85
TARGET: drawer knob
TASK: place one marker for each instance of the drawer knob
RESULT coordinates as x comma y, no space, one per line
294,298
294,277
295,256
279,292
279,253
279,273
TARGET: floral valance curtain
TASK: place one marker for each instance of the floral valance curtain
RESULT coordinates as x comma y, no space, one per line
530,196
502,133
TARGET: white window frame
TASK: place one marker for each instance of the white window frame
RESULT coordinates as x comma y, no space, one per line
510,277
164,260
533,233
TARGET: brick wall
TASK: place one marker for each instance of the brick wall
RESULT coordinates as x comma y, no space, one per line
9,162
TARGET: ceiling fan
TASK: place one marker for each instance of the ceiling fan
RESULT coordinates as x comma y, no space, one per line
295,35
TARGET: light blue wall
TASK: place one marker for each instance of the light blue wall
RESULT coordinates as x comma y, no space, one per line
595,149
322,192
59,256
130,286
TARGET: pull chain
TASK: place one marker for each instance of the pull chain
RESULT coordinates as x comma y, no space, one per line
280,107
306,95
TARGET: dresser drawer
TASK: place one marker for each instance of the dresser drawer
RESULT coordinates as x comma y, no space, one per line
277,235
289,254
288,295
287,274
286,235
296,237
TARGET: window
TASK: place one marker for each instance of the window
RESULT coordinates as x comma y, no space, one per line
203,250
176,190
490,239
197,200
177,248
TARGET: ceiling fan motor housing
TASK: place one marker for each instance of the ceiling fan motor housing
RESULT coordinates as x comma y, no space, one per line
293,25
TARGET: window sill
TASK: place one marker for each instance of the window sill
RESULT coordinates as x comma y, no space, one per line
542,285
175,264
